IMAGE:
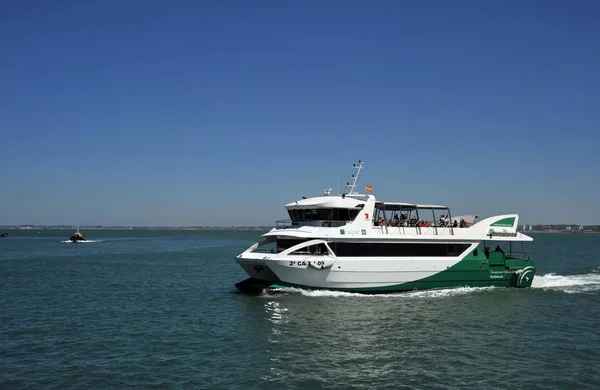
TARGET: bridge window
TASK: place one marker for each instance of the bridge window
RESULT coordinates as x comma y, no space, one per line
334,214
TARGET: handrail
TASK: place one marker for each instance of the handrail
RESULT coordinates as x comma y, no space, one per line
419,230
518,255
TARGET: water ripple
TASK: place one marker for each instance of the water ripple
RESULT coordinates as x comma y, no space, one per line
159,311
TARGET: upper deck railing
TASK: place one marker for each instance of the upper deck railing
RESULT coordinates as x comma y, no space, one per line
434,229
402,230
416,230
518,255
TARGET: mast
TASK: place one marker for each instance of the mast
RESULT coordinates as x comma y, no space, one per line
351,185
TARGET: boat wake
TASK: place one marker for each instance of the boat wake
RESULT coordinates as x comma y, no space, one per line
440,293
570,283
81,242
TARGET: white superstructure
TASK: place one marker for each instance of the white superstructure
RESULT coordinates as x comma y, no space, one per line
353,241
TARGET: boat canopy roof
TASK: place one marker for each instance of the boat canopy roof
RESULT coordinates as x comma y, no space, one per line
407,206
355,202
327,202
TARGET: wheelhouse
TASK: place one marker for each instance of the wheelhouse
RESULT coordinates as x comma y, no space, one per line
324,211
323,216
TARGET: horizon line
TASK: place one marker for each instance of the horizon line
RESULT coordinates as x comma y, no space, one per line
42,226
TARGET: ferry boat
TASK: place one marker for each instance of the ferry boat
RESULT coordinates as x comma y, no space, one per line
356,243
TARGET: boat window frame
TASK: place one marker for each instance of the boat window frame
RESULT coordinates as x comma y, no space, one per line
389,249
320,249
332,214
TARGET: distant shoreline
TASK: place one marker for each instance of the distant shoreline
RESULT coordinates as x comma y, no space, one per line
562,231
555,228
250,228
594,229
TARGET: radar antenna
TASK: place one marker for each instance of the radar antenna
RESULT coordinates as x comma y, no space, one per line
351,185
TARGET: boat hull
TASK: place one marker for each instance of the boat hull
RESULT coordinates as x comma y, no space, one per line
378,275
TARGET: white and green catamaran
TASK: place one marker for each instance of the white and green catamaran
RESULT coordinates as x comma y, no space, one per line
353,242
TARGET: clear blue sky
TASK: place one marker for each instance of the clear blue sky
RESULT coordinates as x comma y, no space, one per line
220,112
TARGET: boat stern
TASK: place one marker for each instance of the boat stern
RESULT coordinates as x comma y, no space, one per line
524,277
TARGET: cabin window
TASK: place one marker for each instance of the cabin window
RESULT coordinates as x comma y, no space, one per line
318,249
335,214
401,249
286,243
269,245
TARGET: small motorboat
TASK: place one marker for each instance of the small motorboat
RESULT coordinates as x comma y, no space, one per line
77,236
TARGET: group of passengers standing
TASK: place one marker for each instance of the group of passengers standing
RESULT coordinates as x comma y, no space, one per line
403,221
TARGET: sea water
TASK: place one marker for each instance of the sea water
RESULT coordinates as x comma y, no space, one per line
158,309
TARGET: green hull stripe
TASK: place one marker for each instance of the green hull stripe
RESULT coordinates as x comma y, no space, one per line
506,222
475,270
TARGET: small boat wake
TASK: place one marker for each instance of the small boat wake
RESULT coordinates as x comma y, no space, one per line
571,284
80,242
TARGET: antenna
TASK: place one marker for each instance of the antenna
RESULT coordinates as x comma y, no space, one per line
351,185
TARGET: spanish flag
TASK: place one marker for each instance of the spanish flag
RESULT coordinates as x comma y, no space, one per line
368,188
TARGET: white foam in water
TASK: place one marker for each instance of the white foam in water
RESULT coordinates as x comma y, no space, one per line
441,293
81,242
569,283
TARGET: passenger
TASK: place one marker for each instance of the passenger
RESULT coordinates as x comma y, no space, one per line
487,252
455,223
498,249
427,224
462,223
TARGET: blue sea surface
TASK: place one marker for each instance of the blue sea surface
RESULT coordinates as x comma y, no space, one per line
158,309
